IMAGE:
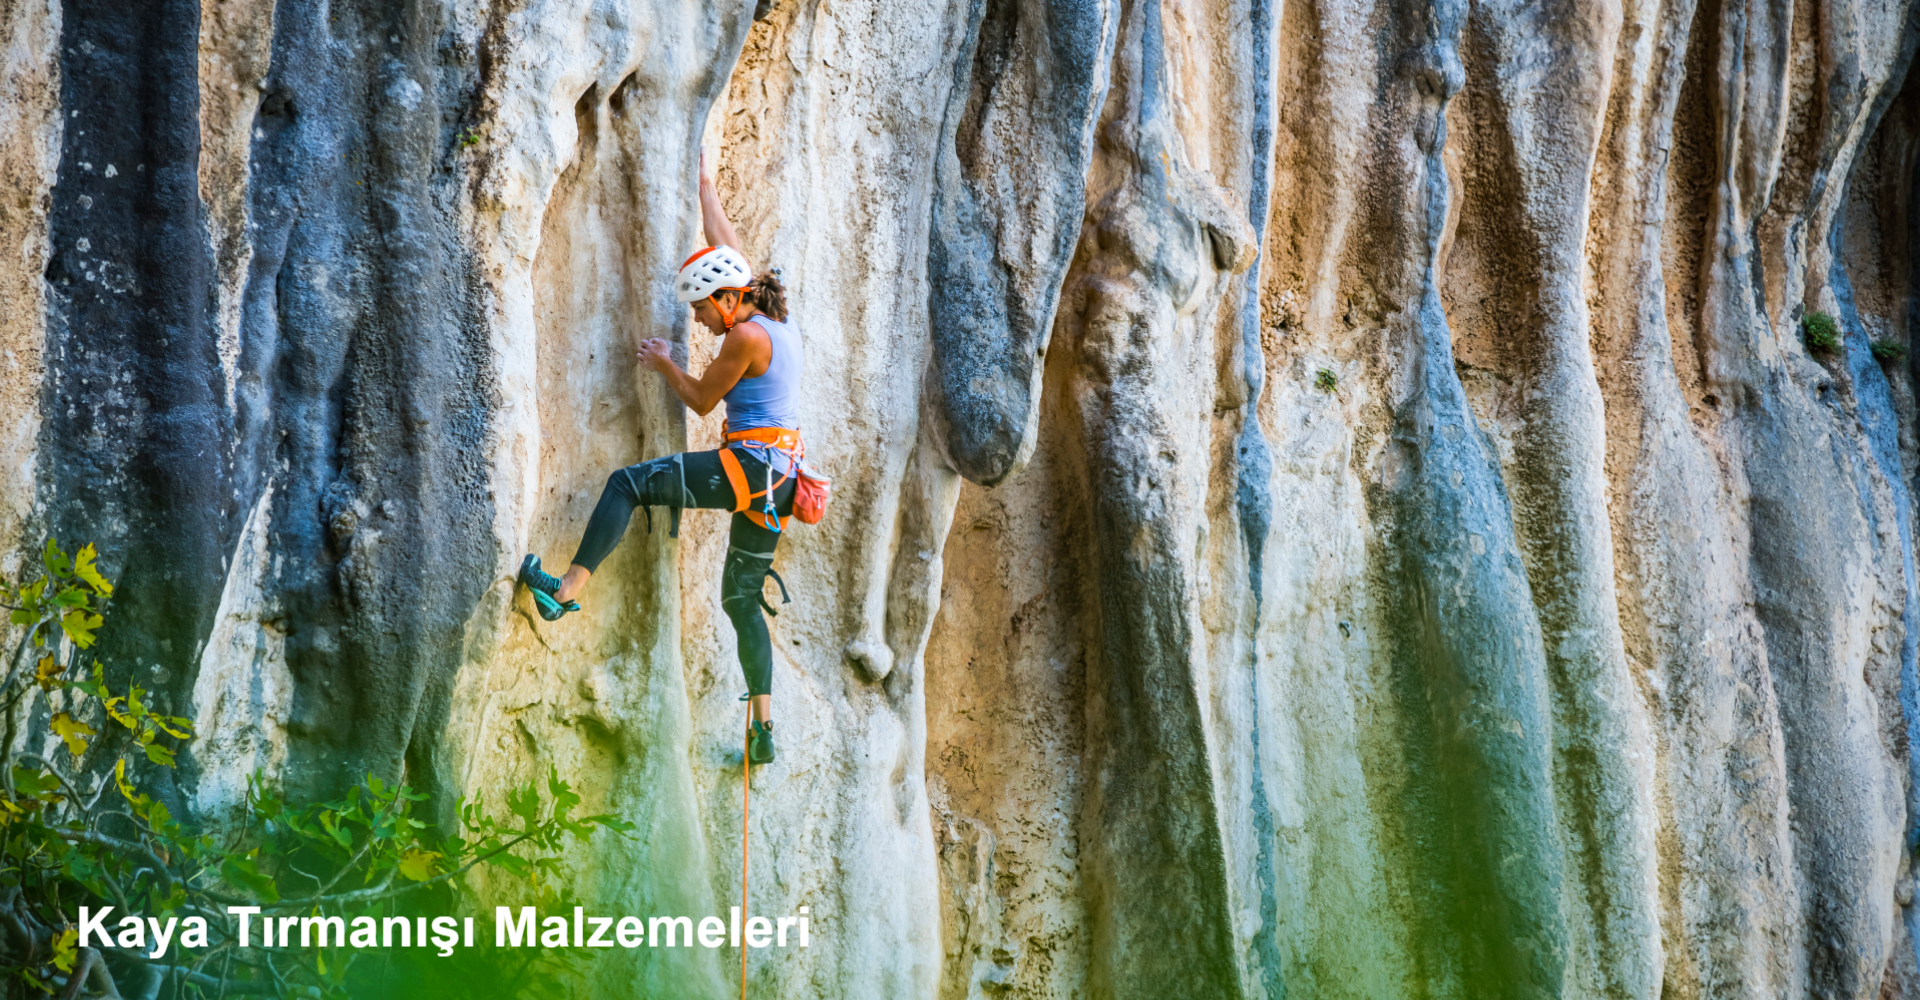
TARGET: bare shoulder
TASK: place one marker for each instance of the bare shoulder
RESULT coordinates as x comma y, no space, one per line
749,341
748,335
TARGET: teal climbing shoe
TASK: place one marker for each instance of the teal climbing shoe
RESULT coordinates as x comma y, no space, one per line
760,743
544,585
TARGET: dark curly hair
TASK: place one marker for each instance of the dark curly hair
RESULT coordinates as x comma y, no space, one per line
768,294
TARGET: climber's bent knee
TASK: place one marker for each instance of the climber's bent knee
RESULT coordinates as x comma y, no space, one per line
658,483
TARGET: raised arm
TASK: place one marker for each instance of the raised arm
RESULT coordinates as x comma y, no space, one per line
713,215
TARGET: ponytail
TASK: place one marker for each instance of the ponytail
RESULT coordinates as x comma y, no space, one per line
769,295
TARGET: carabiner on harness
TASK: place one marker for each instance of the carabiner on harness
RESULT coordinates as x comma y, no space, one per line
768,516
767,508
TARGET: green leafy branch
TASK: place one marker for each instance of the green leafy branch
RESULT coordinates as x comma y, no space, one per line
82,832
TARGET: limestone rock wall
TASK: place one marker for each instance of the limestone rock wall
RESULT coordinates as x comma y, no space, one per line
1331,499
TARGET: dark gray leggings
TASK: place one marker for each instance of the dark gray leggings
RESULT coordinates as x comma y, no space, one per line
696,479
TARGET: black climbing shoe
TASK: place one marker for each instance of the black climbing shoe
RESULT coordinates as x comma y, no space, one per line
544,585
760,743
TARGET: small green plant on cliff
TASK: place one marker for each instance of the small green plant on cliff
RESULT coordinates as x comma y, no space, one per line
77,830
469,137
1325,380
1821,332
1887,349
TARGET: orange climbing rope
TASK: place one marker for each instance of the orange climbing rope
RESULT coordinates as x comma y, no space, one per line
746,796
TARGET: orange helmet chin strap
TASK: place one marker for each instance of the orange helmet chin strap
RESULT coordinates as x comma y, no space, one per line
728,313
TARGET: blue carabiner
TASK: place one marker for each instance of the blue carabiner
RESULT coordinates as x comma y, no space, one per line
767,509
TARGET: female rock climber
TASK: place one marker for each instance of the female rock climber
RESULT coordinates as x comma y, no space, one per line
757,374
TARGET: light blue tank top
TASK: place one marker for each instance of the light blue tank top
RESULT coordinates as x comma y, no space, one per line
773,398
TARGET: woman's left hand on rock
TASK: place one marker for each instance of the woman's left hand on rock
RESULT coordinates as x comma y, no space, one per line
656,353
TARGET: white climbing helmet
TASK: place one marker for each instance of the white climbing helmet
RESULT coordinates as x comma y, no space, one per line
711,270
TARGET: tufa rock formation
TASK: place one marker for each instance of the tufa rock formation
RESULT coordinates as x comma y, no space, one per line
1332,499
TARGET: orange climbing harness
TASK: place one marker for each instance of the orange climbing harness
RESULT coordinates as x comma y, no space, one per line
810,493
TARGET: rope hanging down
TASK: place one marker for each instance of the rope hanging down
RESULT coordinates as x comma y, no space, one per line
746,795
